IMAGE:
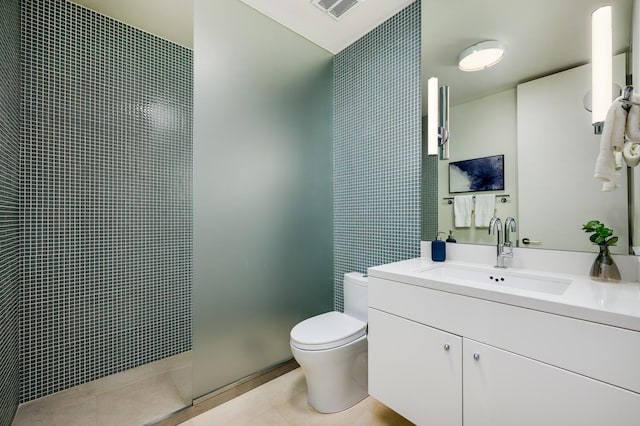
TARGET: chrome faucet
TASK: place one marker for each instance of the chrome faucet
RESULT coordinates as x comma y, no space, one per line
504,247
495,226
509,226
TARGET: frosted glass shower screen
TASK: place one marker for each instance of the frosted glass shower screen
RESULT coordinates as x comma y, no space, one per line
262,190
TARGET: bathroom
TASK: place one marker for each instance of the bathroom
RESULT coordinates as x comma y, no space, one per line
324,177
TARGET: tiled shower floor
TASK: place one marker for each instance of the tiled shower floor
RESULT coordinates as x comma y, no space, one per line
134,397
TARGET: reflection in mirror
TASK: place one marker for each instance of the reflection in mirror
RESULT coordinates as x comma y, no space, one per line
529,108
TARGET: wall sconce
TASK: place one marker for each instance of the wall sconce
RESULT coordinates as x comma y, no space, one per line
432,116
443,125
601,66
437,119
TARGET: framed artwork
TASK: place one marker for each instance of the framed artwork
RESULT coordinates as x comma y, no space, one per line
478,174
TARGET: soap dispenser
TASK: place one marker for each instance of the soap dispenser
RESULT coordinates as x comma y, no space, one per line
450,238
438,249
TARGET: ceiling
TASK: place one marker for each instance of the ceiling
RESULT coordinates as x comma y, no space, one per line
541,37
169,19
312,23
173,19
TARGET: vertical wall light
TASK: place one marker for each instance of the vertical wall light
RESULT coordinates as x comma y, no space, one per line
432,116
602,64
443,123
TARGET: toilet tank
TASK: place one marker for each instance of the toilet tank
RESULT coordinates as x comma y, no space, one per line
356,291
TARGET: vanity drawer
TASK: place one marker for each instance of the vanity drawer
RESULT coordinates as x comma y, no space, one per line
605,353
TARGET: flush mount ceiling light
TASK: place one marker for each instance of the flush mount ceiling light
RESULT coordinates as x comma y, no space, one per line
481,56
336,8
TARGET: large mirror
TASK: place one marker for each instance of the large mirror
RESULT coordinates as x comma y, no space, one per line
529,108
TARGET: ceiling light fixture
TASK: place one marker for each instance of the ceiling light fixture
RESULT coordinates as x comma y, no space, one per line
481,56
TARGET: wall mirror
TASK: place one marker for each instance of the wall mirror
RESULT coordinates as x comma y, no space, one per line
529,108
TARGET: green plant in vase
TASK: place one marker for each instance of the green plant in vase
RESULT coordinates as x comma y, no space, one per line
603,268
600,233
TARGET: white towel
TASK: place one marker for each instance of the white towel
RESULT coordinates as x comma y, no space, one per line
462,210
632,128
485,209
610,185
631,153
612,140
617,159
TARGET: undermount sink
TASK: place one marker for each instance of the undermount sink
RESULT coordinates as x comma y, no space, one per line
500,278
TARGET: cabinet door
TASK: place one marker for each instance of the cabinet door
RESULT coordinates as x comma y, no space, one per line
415,370
504,389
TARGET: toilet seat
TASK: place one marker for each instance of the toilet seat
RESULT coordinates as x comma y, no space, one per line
326,331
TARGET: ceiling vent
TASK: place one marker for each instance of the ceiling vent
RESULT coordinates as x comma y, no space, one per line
336,8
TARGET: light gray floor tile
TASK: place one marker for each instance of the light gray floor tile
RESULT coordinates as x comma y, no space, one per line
151,392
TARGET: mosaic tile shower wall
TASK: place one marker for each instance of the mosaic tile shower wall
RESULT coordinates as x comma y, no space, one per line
9,202
106,198
377,148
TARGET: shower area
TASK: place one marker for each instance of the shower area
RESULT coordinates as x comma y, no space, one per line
159,255
168,214
105,207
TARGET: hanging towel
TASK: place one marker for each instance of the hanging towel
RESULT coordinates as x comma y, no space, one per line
612,185
617,159
485,209
612,140
462,210
631,153
632,128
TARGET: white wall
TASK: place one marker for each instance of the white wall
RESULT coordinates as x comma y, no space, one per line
557,151
481,128
564,157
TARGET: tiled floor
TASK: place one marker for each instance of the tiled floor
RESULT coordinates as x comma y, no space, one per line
283,402
150,392
134,397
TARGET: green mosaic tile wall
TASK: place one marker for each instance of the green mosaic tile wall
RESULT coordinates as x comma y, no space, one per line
9,202
106,200
377,148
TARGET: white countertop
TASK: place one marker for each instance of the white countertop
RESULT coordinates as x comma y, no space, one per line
616,304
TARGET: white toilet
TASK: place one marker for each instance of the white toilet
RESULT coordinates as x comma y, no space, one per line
331,349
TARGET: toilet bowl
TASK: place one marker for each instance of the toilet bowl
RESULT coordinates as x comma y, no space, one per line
332,351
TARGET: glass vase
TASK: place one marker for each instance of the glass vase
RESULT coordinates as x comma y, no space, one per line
604,268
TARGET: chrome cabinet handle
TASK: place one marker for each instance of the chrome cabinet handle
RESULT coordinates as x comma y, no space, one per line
476,356
528,241
447,347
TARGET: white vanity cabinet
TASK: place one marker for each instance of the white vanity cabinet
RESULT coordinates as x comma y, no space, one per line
504,365
504,389
412,366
